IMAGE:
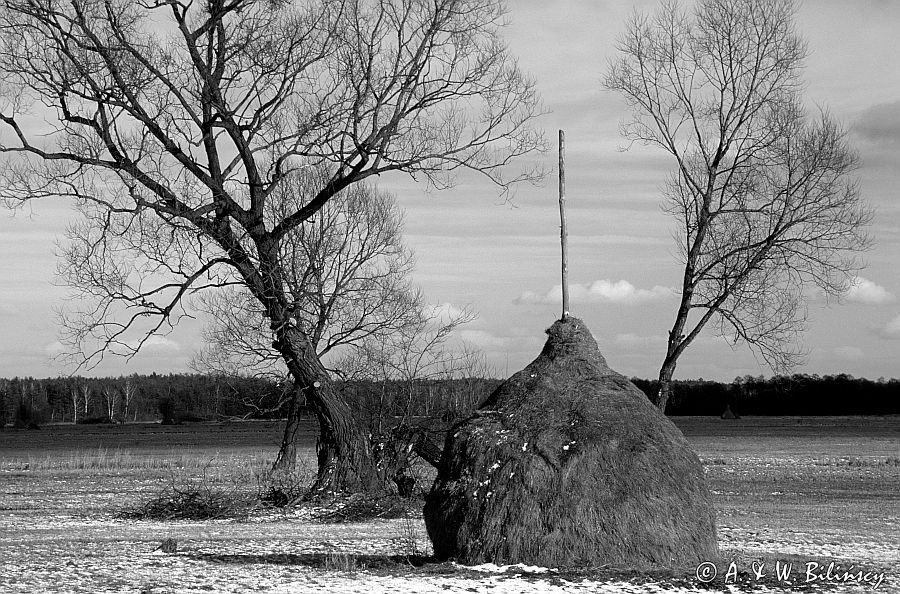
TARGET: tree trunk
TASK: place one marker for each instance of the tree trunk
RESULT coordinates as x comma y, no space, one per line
287,453
343,450
665,386
676,344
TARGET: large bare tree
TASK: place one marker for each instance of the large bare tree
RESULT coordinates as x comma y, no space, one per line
173,124
763,193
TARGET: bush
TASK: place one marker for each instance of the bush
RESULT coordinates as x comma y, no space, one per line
203,503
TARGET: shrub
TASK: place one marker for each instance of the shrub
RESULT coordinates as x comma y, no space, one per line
204,503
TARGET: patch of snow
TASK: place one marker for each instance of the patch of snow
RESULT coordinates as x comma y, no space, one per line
494,568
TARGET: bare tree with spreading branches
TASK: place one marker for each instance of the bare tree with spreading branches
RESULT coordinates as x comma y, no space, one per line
763,193
174,124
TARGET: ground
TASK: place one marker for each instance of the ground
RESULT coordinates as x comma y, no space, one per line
809,492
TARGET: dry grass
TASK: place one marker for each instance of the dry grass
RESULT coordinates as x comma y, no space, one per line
103,459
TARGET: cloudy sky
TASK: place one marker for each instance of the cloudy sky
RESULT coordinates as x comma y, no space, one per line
502,259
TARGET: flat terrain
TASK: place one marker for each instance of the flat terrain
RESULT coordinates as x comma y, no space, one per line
798,490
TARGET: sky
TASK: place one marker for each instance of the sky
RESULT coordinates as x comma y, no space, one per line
501,258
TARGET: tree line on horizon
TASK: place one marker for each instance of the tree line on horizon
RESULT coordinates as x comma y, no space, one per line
176,398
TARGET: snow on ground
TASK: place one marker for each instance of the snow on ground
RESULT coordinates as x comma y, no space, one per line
76,554
59,534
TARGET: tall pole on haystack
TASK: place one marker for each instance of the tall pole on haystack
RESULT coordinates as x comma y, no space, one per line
563,230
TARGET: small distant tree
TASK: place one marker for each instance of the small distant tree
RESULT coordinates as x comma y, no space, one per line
110,400
398,370
4,400
129,393
87,397
763,193
74,394
420,350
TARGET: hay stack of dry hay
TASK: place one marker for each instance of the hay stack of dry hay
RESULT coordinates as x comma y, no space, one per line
568,464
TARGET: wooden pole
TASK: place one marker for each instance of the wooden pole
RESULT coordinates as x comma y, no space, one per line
563,230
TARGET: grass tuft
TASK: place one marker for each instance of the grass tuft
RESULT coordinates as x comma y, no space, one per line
340,562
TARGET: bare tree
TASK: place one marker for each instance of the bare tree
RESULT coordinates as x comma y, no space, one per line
410,420
419,350
128,391
74,391
763,193
110,400
173,124
87,397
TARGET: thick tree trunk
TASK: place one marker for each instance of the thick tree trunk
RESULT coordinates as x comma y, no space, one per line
673,350
665,385
344,452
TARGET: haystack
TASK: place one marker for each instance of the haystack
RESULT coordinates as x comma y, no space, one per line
567,464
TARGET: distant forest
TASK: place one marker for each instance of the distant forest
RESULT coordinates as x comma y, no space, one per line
178,398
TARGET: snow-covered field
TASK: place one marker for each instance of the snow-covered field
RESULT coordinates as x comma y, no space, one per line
60,532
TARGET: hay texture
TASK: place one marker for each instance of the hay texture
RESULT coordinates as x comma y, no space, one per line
568,464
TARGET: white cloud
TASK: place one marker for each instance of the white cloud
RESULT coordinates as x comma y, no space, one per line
892,328
160,343
487,340
602,290
862,290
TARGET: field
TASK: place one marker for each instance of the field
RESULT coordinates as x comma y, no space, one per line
809,492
